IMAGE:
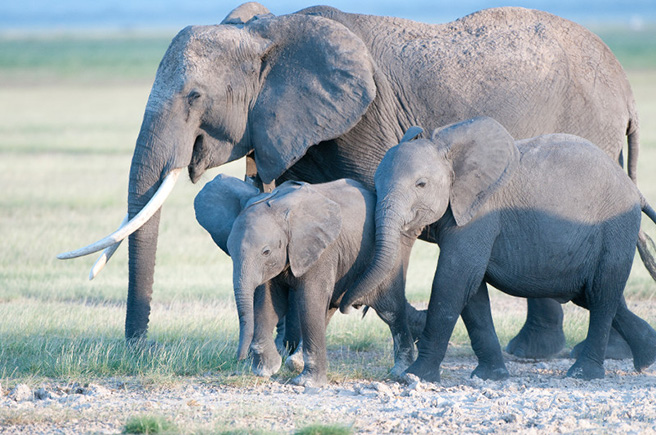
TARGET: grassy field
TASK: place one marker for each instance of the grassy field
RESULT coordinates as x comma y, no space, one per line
70,110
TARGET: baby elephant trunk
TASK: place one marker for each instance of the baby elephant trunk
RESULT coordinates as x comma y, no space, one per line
244,300
388,240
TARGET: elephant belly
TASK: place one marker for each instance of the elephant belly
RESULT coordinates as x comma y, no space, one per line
544,264
562,288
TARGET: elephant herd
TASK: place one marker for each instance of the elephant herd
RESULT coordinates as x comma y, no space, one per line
517,178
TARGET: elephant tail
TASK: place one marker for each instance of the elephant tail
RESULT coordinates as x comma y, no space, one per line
646,245
633,136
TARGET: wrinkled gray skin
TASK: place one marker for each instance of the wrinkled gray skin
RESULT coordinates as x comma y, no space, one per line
313,239
320,95
548,217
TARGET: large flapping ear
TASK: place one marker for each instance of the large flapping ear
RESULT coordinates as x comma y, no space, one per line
314,222
245,12
219,203
483,156
317,83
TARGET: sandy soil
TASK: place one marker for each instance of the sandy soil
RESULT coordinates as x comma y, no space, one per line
536,399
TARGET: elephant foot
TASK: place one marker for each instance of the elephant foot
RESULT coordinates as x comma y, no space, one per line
644,357
488,372
308,379
399,368
537,343
586,369
266,365
424,371
295,361
617,347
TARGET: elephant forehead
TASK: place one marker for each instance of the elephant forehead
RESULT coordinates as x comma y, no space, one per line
196,48
408,159
256,225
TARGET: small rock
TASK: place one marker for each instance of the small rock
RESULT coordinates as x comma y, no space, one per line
343,393
42,394
95,390
381,388
21,393
311,390
409,379
441,402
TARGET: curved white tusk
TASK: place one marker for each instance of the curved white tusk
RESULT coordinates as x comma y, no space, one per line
106,254
134,224
103,259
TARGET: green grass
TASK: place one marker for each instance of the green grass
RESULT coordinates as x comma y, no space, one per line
324,430
149,425
86,58
635,48
70,110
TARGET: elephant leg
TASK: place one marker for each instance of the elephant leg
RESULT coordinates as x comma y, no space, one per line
480,326
416,320
603,297
280,336
590,364
446,303
639,335
542,334
295,361
292,335
617,348
269,307
393,313
312,316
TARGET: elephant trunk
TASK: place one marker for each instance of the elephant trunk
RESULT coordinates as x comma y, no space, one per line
152,161
388,240
244,295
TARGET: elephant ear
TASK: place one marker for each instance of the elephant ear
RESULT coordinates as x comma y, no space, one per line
314,222
246,12
318,82
411,133
483,156
219,203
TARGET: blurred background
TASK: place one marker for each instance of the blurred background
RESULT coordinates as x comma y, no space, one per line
66,15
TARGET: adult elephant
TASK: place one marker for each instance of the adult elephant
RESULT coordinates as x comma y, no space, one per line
321,94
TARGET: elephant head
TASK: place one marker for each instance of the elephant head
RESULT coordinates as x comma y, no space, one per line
265,234
273,86
459,168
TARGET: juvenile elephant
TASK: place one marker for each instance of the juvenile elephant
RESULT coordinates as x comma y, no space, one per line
314,239
321,94
548,217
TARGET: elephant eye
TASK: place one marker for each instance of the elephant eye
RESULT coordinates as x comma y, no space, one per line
193,96
266,251
421,183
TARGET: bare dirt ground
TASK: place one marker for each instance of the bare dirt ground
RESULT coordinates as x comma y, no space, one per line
536,399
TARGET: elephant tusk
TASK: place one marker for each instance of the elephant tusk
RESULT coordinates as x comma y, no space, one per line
134,224
106,254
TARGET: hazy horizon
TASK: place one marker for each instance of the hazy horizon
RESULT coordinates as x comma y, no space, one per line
79,15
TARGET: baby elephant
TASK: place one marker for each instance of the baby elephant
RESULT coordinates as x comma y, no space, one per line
312,239
548,217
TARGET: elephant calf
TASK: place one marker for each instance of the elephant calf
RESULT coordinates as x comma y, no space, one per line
547,217
312,239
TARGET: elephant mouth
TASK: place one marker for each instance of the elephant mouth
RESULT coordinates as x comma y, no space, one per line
420,220
199,160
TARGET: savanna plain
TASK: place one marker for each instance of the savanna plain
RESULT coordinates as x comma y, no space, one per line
70,111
